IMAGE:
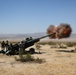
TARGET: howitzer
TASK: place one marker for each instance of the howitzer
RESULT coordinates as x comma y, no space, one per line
14,49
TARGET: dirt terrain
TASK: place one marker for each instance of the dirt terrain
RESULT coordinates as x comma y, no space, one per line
58,62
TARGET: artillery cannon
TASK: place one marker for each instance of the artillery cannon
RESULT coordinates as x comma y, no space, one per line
14,49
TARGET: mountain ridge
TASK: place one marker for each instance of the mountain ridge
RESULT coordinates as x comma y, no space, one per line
34,35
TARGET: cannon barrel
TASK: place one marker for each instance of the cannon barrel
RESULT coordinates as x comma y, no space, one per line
33,41
47,35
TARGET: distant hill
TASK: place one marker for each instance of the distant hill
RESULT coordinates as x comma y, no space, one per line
19,37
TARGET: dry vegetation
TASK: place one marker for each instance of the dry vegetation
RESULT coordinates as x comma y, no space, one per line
59,61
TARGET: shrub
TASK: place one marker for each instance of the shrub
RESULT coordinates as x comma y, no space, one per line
20,53
25,58
70,44
29,58
38,60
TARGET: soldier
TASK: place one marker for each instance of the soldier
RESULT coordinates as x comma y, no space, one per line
7,45
2,45
31,38
9,48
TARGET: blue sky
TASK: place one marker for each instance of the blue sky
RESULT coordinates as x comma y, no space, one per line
31,16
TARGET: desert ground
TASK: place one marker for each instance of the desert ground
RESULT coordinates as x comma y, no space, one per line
57,62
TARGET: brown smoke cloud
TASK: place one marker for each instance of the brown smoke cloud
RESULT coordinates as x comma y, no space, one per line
62,31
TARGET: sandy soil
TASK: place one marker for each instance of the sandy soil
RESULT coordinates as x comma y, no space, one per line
58,62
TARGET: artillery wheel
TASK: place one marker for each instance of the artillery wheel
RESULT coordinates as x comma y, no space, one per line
32,50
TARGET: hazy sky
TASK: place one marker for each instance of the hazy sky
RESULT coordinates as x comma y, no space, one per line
31,16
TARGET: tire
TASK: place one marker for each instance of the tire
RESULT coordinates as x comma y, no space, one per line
32,50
